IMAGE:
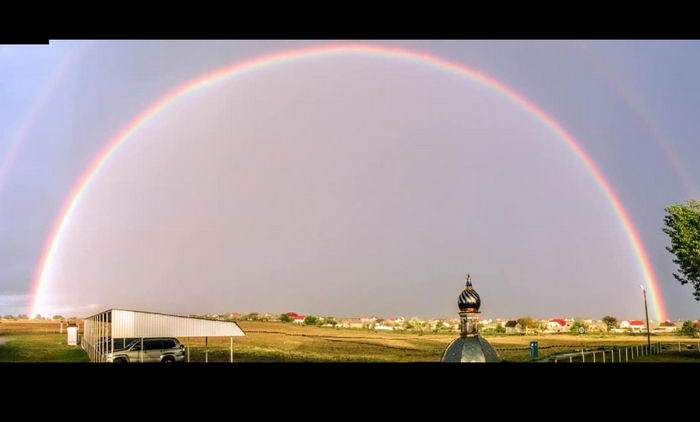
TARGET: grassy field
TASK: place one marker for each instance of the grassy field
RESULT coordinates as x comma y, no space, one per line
30,341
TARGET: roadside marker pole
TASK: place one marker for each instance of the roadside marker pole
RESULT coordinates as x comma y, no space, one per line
593,357
583,357
619,355
626,358
603,355
188,350
231,349
679,346
571,359
612,356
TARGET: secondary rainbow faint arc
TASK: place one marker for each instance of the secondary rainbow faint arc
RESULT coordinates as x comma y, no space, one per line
219,74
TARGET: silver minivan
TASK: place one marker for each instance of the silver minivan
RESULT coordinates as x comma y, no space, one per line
166,350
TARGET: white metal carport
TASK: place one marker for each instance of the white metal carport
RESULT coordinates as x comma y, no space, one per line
101,330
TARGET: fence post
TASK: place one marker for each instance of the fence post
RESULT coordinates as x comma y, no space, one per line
679,346
583,357
612,356
571,359
626,357
603,355
593,357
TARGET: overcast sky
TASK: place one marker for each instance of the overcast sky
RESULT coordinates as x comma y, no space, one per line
346,185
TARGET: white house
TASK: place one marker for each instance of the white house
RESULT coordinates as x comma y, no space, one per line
633,324
556,325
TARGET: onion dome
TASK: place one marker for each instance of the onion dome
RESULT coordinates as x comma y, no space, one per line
469,300
470,349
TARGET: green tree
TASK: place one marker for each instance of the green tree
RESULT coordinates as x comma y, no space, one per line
8,317
285,318
330,320
683,227
58,317
500,328
310,320
688,329
578,324
610,321
526,322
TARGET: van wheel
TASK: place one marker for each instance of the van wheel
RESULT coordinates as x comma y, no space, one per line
168,359
119,360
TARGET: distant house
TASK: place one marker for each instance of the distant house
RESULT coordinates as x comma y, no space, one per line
298,319
351,323
368,320
394,321
383,327
291,314
634,325
556,325
666,327
512,327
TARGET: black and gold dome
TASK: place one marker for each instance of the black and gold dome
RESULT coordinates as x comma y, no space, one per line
469,346
469,300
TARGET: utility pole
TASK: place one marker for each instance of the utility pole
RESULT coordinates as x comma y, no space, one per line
646,312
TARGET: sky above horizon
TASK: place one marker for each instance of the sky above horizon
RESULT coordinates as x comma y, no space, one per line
346,185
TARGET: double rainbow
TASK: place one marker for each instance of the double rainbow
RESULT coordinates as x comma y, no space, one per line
41,275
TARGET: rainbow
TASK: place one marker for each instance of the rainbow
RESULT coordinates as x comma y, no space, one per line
20,137
638,108
57,232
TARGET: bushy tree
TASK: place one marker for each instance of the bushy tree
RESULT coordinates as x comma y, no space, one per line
688,329
610,321
310,320
58,317
8,317
330,320
500,328
683,227
285,318
526,322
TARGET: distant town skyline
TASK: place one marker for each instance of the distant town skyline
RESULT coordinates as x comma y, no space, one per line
346,184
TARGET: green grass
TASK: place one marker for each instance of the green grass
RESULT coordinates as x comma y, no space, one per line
39,347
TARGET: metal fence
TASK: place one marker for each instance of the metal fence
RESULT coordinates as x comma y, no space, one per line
619,354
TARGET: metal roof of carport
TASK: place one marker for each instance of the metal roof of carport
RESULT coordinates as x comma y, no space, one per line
129,323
